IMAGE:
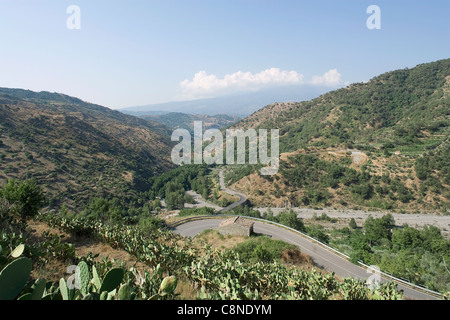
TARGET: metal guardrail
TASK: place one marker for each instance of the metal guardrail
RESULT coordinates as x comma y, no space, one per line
403,282
386,275
182,221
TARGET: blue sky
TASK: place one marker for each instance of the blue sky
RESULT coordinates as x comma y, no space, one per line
139,52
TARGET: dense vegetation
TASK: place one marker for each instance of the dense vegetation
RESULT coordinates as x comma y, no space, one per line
78,151
399,125
107,175
399,107
420,256
315,176
217,274
177,120
173,184
262,249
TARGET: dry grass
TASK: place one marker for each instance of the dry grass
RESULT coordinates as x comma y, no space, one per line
186,290
289,257
55,269
294,257
83,246
275,192
262,192
216,240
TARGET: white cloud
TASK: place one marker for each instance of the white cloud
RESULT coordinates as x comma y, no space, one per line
205,84
331,78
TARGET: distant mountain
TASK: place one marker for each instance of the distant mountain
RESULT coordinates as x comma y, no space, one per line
382,144
240,105
78,150
175,120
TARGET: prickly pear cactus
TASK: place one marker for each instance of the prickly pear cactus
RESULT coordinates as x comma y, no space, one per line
17,252
14,277
83,277
168,285
103,295
112,280
96,279
63,289
126,292
38,290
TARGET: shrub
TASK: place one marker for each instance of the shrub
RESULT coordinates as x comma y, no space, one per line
291,220
262,249
318,232
205,211
26,197
150,224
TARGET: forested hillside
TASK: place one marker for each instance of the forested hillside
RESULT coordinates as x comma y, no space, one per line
175,120
76,150
381,144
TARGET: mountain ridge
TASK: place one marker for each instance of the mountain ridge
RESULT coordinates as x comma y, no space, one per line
241,104
380,144
77,149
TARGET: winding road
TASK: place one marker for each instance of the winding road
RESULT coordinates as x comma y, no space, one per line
322,256
242,197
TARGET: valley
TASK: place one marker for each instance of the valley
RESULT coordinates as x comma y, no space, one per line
363,169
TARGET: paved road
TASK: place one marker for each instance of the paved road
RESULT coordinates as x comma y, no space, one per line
321,256
200,202
242,197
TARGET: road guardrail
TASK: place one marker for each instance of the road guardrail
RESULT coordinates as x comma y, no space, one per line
384,274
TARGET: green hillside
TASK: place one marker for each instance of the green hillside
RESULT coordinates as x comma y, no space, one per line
381,144
77,150
175,120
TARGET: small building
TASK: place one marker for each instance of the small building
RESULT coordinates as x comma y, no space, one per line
236,226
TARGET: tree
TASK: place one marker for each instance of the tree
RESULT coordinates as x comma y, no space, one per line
422,168
379,228
291,220
365,190
268,215
156,205
406,238
25,197
175,200
5,208
360,245
352,224
318,232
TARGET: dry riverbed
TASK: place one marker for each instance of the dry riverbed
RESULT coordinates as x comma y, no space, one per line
344,216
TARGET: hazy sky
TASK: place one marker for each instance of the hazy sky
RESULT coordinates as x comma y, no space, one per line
135,52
